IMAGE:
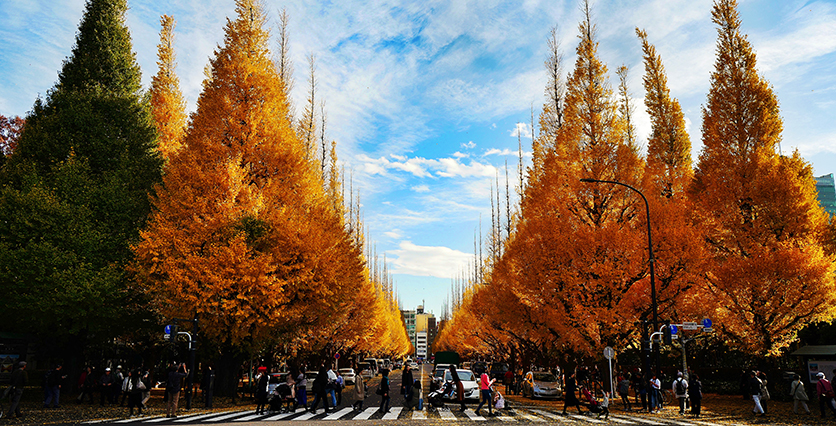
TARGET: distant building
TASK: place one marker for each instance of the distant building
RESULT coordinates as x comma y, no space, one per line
409,323
421,344
827,193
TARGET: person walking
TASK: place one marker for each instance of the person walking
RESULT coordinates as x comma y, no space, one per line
680,389
172,388
384,391
359,391
134,391
262,379
86,385
53,386
824,391
570,399
695,395
302,389
655,396
508,381
640,386
624,391
339,389
106,386
764,395
146,393
755,392
605,406
485,383
126,388
118,383
207,385
799,395
457,382
319,388
331,386
406,386
19,380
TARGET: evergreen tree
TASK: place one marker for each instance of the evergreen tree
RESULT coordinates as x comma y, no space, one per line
75,192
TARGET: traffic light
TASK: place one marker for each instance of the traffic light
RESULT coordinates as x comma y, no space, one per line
667,333
174,330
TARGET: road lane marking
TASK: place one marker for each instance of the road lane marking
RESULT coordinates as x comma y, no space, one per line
338,414
366,413
393,413
473,416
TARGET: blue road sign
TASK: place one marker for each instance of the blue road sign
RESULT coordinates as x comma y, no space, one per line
168,329
674,329
706,323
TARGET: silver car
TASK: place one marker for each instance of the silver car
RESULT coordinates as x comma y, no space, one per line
348,375
538,384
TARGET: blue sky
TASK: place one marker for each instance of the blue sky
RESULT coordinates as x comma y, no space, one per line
424,97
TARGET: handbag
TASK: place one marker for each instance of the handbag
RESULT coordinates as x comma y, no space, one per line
140,385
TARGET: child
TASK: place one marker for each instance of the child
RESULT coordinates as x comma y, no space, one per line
605,406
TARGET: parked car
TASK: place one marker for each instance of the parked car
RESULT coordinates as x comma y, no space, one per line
348,375
366,370
373,364
310,376
438,373
541,384
469,383
498,370
479,367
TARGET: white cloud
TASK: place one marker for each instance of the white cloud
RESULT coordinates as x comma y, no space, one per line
421,188
424,167
442,262
521,129
469,145
393,234
458,154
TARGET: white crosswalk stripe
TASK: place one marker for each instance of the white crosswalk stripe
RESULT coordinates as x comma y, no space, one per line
473,416
278,416
366,414
529,417
419,415
584,418
197,417
640,420
446,415
305,416
134,419
393,413
705,423
623,421
505,418
226,417
550,415
338,414
250,417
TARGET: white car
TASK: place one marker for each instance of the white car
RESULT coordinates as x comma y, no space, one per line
469,383
348,375
310,376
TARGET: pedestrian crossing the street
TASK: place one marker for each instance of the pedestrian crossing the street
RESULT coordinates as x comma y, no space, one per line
518,415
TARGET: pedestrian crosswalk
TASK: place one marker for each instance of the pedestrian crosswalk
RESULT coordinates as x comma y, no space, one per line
517,415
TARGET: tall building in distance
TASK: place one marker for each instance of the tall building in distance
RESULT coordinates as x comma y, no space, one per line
421,328
409,324
827,193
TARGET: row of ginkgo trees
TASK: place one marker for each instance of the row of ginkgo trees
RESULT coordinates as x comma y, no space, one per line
740,238
122,209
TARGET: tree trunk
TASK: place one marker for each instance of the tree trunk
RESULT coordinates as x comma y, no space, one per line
227,372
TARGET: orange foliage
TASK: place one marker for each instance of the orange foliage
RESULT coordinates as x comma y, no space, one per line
167,104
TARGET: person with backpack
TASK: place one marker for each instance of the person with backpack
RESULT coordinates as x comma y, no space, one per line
331,387
680,389
824,390
799,395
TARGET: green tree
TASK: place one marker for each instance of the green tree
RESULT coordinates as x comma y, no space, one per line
75,191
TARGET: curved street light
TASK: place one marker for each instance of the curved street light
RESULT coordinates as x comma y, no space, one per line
650,255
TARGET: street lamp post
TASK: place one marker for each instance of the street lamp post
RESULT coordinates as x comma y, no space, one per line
651,258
